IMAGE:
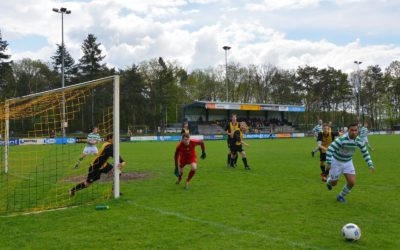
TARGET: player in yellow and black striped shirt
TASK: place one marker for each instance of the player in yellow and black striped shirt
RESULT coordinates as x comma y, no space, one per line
324,139
185,129
236,145
230,130
99,165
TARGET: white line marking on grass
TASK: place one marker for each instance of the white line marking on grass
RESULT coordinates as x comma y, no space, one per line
20,176
38,212
226,227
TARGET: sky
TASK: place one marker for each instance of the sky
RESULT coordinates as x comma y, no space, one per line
284,33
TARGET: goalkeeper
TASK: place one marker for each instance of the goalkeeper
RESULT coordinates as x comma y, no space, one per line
185,154
90,148
99,165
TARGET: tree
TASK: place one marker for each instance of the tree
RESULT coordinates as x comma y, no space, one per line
262,77
133,88
70,69
32,76
90,63
284,88
204,85
7,80
308,79
341,98
392,97
3,48
371,94
90,68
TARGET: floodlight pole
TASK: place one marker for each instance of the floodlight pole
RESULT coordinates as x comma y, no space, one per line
358,89
226,48
62,11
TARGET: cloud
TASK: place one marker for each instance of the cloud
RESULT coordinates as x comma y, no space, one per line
286,33
271,5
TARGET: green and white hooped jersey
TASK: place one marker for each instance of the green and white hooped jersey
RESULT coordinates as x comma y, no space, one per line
93,138
363,133
317,128
343,149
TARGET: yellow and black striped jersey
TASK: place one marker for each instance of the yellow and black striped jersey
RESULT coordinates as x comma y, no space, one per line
231,128
106,151
185,131
238,137
326,139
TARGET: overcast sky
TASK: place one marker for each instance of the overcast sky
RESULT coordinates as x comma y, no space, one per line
285,33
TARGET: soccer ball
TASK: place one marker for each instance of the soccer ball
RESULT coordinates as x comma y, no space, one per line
351,232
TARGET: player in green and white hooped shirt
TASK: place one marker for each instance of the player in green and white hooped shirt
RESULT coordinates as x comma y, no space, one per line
364,135
339,159
90,148
317,129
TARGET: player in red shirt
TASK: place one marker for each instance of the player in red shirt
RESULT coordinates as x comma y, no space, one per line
185,154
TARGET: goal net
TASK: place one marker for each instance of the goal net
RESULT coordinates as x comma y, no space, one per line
43,135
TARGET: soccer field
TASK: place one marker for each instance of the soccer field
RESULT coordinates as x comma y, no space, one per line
280,204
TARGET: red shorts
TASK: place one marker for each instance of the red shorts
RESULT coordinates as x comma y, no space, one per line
187,161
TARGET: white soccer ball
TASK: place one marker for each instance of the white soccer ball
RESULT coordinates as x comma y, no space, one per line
351,232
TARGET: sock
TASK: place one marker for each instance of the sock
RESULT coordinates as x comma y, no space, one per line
328,181
322,169
190,176
315,149
346,189
232,162
79,187
235,160
245,162
79,160
229,159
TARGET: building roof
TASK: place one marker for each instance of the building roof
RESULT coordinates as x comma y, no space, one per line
245,106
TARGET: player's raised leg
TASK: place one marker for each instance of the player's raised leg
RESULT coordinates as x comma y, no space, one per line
351,180
333,176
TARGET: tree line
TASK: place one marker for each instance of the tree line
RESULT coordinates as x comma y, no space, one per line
153,92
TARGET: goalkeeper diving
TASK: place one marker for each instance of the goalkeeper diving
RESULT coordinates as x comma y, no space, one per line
99,165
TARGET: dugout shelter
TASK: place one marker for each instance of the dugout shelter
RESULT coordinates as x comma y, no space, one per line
210,111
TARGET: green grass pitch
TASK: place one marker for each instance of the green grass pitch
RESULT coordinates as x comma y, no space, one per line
280,204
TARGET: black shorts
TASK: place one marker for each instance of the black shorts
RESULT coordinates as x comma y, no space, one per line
322,156
229,141
95,172
236,148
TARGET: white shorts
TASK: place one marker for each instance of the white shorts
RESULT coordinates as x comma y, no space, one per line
339,167
90,150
